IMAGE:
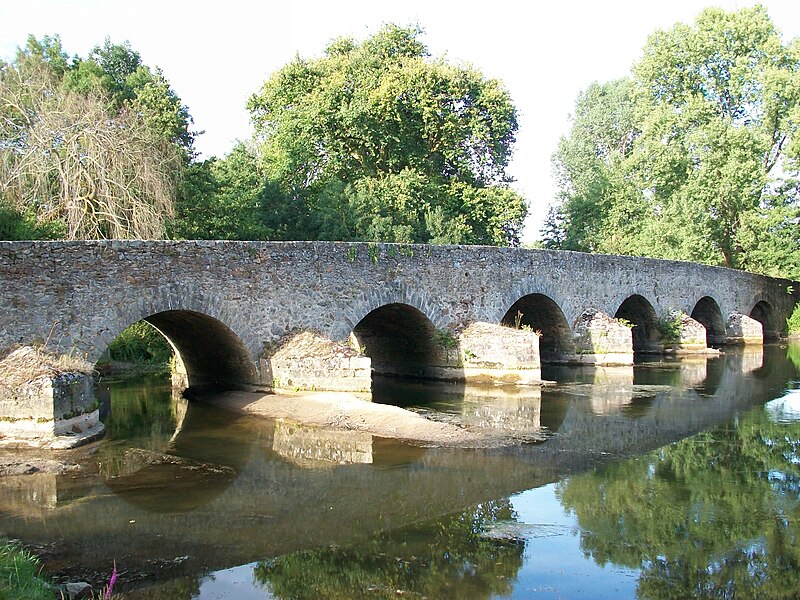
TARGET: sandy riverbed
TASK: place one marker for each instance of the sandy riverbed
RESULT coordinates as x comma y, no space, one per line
346,412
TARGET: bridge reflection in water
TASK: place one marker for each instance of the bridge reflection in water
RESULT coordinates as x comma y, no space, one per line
177,480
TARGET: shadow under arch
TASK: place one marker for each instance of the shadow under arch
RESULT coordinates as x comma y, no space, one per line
400,340
708,314
763,313
637,310
542,313
212,354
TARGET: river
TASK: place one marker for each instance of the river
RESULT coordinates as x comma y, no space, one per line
669,479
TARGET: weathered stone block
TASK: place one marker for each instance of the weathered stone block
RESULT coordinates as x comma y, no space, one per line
599,339
691,335
54,411
309,361
741,329
495,353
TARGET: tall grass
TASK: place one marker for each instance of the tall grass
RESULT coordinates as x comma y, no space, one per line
20,575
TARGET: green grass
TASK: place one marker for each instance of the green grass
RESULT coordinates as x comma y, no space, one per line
20,575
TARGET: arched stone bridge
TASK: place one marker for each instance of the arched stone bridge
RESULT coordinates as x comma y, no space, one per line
324,314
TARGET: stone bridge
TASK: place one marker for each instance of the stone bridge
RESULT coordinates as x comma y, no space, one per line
326,314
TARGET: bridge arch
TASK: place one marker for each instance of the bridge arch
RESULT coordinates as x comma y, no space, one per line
210,351
708,313
637,310
542,313
763,312
399,339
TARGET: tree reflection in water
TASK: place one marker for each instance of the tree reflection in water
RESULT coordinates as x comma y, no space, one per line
448,557
712,516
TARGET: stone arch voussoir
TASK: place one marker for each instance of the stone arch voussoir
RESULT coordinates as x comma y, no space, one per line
375,298
529,288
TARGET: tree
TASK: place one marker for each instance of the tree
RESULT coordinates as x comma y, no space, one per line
117,72
695,155
230,199
81,155
376,142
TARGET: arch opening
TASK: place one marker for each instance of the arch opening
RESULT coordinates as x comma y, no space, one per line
638,311
399,340
541,313
763,313
708,314
209,351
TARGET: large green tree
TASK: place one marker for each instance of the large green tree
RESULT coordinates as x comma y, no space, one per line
695,155
376,141
90,148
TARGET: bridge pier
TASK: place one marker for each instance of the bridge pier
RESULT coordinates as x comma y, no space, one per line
743,330
310,361
481,353
45,407
601,340
497,354
684,335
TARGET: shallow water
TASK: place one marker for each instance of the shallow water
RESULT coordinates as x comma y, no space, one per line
668,479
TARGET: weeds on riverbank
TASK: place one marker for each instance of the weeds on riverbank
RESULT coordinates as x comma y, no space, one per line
20,575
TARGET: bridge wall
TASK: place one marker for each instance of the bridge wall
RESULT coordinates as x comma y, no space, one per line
80,295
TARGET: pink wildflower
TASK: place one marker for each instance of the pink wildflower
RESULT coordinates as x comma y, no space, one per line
111,582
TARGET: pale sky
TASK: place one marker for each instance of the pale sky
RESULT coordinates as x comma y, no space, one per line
216,54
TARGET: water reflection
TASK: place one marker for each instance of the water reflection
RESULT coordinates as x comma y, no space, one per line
148,458
445,558
717,513
785,409
315,447
177,491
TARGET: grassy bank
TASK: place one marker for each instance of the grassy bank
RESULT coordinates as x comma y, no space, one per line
20,575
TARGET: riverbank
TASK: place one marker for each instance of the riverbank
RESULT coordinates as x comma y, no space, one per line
346,412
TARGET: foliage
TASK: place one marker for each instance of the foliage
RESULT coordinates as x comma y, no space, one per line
670,326
703,517
90,148
448,558
695,156
230,199
376,142
445,338
141,343
20,575
793,322
18,225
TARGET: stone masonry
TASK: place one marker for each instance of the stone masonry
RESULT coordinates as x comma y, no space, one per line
226,305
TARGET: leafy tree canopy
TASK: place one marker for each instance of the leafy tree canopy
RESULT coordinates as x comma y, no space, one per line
376,141
694,156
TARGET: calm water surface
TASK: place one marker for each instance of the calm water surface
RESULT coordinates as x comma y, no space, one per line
670,479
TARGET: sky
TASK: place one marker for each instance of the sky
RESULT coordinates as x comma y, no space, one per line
216,54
